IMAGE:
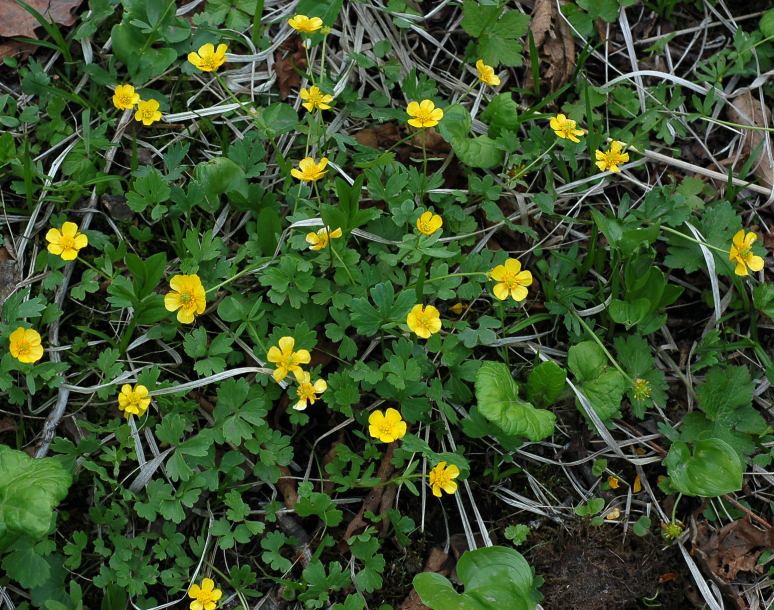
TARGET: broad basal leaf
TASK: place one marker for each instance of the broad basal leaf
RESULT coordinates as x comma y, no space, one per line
712,469
498,400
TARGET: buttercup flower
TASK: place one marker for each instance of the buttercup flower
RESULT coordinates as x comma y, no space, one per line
147,112
66,241
308,392
424,114
486,74
208,58
205,597
428,223
424,321
565,128
613,482
388,426
287,360
609,160
314,98
25,345
741,253
133,400
308,170
187,297
511,280
124,97
458,308
304,24
321,239
442,478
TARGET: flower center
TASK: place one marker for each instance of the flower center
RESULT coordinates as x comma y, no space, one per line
641,389
125,99
386,428
442,478
67,242
744,252
306,392
510,281
147,113
24,347
186,298
425,226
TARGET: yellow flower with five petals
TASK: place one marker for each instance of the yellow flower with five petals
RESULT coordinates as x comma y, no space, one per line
208,58
428,223
288,360
125,97
442,478
187,297
147,112
314,98
66,241
741,253
610,159
424,114
309,170
308,392
511,280
304,24
321,239
565,128
424,321
205,597
25,345
133,400
388,426
486,74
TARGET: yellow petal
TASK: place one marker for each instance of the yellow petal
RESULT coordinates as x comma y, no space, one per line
286,344
172,301
519,293
755,263
412,109
500,291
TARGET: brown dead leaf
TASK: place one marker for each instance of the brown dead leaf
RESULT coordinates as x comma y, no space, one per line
732,549
15,21
746,110
9,275
555,45
289,64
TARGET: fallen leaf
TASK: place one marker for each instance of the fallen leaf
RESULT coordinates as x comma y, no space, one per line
9,275
746,110
437,562
15,21
289,67
732,549
554,43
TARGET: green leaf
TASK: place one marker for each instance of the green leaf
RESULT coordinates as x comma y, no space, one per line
481,151
502,113
711,469
220,176
494,578
498,400
149,188
725,389
546,383
766,24
601,384
629,313
763,294
30,489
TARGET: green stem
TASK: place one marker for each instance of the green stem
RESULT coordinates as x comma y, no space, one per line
448,275
93,268
694,240
239,274
547,152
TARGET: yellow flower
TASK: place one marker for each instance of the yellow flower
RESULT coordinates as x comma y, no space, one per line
208,58
66,241
565,128
314,98
308,391
613,482
205,597
428,223
308,170
741,253
424,321
304,24
386,427
511,280
609,160
133,401
424,114
486,74
26,345
187,297
287,360
124,97
442,477
321,239
147,112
